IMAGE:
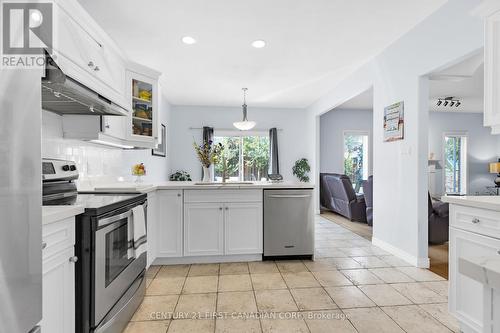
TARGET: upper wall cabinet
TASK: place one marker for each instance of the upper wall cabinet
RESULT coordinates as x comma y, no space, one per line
143,123
85,53
490,12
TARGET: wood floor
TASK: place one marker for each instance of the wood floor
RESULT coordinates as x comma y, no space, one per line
438,254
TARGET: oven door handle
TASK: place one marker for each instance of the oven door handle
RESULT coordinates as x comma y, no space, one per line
109,220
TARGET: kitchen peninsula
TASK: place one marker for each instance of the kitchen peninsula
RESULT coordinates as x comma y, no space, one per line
194,222
474,291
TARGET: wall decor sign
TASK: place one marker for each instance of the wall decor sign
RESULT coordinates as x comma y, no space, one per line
161,150
394,123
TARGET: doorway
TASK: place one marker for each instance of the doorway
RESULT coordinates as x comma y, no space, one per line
346,150
459,148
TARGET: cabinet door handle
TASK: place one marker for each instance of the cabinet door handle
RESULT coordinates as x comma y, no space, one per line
178,194
44,245
107,126
476,220
91,64
73,259
97,69
227,208
220,208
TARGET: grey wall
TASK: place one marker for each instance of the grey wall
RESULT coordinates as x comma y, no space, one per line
292,145
332,127
482,147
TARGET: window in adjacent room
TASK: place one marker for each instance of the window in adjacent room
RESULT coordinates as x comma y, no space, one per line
356,157
455,163
246,156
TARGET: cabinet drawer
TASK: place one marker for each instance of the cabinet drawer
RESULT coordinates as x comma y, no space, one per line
223,195
58,236
480,221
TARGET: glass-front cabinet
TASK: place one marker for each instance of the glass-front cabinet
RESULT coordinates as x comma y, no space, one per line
143,121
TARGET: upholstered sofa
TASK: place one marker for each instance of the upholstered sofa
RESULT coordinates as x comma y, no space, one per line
368,192
337,195
438,221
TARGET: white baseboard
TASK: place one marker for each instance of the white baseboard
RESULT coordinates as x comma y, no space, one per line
415,261
208,259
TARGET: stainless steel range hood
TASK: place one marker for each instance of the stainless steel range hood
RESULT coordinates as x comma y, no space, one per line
63,95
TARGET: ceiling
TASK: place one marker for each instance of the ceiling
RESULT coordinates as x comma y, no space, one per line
363,101
311,45
464,81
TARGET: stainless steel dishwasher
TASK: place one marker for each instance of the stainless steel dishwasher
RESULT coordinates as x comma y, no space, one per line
288,224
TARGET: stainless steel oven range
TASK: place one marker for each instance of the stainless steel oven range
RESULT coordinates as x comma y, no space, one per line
110,277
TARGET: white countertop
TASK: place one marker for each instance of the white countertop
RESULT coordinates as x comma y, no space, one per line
149,187
52,214
485,270
490,202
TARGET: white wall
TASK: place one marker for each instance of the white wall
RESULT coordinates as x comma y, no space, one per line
292,139
482,148
400,168
98,162
332,127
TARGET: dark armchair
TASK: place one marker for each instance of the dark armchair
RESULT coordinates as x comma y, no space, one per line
337,195
368,192
438,221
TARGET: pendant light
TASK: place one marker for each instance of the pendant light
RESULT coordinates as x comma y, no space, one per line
244,125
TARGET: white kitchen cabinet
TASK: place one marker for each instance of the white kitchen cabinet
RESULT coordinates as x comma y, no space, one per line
85,53
203,229
152,226
143,125
243,228
468,297
489,10
168,235
58,282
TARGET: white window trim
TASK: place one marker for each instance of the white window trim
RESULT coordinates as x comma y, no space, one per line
241,135
466,136
368,152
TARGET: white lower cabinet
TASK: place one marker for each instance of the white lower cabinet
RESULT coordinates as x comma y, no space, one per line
468,297
243,228
206,223
169,224
203,229
58,283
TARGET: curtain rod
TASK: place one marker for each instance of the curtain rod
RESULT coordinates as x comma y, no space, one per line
234,129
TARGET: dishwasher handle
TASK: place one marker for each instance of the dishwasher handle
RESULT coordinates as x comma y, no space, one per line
289,196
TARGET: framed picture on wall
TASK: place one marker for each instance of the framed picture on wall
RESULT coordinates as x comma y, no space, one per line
162,147
394,122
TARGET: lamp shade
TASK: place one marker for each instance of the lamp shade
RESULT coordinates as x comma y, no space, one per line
495,167
246,125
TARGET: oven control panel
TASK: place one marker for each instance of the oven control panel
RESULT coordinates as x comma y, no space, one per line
53,170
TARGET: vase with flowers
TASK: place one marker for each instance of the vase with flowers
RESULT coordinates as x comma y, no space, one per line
208,153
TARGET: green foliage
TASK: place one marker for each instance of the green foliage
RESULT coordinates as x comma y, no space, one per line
255,157
353,159
180,176
300,170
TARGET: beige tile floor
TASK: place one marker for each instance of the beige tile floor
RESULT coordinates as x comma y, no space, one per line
352,286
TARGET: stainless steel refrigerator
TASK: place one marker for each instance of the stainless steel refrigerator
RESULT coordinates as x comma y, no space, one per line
20,201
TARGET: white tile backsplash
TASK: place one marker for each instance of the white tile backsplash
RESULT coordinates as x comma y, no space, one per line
96,162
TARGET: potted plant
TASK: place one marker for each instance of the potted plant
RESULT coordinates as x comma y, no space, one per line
301,169
208,153
180,176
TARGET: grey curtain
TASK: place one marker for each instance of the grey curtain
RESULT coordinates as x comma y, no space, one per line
208,135
274,165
